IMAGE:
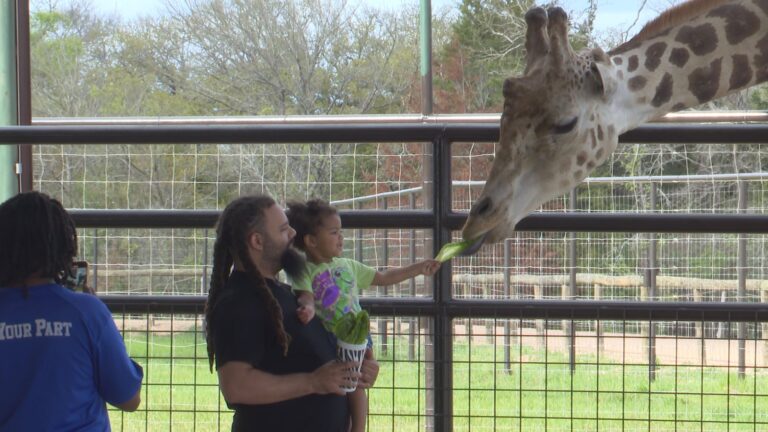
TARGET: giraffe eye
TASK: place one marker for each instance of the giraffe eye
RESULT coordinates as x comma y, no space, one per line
566,127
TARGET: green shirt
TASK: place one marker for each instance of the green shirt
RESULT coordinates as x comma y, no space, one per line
336,287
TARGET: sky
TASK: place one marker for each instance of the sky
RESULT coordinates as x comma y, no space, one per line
612,14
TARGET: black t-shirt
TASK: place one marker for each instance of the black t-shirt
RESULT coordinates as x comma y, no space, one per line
244,332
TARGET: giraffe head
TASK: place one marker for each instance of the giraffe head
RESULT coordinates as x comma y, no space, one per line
552,132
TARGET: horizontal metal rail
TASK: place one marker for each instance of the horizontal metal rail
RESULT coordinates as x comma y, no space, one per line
679,117
501,309
353,132
577,222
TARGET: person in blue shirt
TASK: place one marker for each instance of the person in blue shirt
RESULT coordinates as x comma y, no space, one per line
61,356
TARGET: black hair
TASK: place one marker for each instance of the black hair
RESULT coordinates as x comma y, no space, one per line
38,238
307,217
239,219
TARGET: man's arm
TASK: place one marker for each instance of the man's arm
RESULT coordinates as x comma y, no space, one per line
241,383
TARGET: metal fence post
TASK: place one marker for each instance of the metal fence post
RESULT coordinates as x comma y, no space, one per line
571,292
742,277
383,291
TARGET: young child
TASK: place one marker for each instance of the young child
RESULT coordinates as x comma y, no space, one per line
331,285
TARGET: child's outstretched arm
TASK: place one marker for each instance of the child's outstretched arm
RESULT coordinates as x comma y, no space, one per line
306,310
395,275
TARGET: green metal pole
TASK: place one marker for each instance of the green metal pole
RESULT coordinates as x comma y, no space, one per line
9,154
425,46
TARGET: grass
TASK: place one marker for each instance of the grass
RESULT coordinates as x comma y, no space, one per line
539,393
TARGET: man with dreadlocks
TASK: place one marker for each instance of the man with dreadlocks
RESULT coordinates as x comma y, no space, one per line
276,373
61,355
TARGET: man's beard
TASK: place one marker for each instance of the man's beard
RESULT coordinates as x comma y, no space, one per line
293,262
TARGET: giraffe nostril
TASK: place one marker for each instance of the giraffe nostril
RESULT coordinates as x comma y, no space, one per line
482,207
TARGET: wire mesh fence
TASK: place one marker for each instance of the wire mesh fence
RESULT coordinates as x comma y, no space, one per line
505,373
515,374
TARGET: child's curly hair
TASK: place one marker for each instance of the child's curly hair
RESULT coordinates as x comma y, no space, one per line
307,217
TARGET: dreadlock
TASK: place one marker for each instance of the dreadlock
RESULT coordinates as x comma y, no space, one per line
241,217
307,217
38,238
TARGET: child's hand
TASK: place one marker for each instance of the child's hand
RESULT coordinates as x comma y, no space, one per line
429,267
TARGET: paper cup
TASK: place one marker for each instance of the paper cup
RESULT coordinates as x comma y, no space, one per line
346,352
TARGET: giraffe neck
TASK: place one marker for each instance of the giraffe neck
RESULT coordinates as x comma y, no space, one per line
707,49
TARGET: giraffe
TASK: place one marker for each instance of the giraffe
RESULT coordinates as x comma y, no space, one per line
563,116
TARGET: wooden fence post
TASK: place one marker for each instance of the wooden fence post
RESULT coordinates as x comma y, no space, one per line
599,326
538,295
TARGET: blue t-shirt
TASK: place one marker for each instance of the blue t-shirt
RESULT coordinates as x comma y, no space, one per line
61,359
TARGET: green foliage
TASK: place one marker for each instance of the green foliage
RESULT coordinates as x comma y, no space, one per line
353,328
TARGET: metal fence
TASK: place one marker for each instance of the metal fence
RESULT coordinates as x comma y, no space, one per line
450,362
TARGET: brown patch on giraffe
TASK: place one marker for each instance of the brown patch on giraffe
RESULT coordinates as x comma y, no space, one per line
679,57
581,158
741,72
593,138
600,132
637,83
701,39
740,23
669,19
590,165
761,60
663,91
653,55
633,64
703,82
577,174
599,154
617,60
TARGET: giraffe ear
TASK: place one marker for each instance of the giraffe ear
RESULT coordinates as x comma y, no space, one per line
603,83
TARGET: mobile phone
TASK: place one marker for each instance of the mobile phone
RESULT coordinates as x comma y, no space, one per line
78,276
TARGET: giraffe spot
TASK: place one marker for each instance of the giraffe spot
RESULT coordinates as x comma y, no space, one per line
679,107
599,154
593,138
761,60
679,57
617,60
701,39
703,82
578,175
581,158
600,132
740,23
653,55
592,117
637,83
634,62
663,91
741,72
590,165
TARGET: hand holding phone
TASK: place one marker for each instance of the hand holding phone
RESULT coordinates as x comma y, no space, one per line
77,278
